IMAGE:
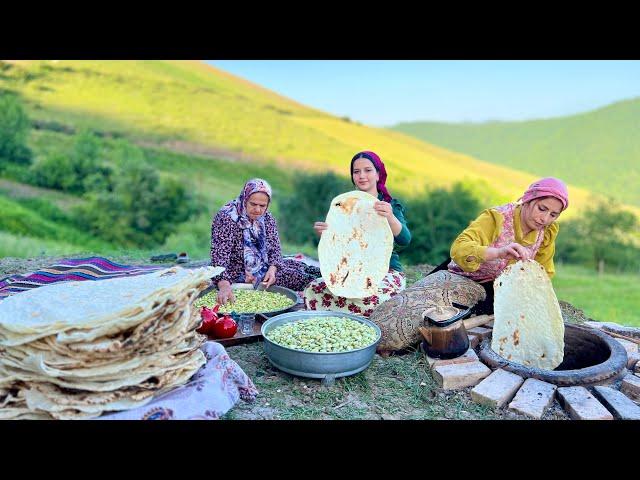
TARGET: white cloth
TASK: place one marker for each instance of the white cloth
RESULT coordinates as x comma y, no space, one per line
208,395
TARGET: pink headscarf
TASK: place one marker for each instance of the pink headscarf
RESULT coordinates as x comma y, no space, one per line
547,187
382,172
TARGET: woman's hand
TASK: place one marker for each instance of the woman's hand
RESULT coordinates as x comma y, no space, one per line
383,209
320,227
270,277
225,293
513,251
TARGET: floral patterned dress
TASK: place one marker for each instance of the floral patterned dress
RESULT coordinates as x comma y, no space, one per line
317,296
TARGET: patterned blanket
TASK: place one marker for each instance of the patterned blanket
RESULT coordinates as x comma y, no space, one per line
92,268
209,394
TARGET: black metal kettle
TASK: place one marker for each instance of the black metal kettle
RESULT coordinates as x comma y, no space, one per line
445,335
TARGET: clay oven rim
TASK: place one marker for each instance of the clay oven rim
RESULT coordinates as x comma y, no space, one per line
606,371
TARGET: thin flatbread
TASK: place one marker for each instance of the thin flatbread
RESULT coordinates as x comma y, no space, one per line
528,326
355,249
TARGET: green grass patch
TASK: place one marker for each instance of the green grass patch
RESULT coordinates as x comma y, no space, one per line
20,220
12,245
607,298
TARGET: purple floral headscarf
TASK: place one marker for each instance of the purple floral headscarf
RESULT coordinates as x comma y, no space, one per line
254,232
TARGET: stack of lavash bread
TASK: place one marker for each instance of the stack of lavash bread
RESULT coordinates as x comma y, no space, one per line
75,350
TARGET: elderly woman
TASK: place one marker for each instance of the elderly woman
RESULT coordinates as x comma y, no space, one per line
520,230
244,240
369,175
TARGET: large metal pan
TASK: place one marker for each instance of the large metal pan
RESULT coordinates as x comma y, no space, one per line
318,364
290,294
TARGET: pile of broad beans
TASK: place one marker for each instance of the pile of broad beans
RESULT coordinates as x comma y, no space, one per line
247,301
323,334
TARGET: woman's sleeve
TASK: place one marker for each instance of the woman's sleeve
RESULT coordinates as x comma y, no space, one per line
548,248
468,249
274,250
222,229
404,237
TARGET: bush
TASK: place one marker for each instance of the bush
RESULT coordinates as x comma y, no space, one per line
78,172
14,130
435,219
142,210
600,237
55,171
309,204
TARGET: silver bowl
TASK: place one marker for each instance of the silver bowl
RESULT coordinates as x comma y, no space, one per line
317,364
290,294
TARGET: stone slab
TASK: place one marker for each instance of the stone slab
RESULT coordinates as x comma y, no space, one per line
497,389
631,387
480,331
618,403
468,356
632,360
594,324
633,332
581,405
474,340
533,398
460,375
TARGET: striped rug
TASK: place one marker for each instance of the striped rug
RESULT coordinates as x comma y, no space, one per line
92,268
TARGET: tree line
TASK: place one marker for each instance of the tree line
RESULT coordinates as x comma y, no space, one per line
126,201
600,238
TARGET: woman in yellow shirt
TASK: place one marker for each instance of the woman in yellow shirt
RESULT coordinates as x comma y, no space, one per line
520,230
502,235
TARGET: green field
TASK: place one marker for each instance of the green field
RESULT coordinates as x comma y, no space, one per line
607,298
597,150
194,109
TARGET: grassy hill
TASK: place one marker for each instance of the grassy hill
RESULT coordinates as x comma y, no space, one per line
597,150
192,108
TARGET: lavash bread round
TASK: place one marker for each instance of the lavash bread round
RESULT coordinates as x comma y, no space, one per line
355,250
78,349
528,326
401,315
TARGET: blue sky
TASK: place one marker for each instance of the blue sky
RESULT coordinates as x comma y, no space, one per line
382,93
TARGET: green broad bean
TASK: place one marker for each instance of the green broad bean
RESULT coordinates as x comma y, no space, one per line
247,301
323,334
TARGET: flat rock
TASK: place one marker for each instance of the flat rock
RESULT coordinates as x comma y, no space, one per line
632,332
618,403
460,375
632,360
474,340
594,324
533,398
497,389
631,387
581,405
480,331
468,356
